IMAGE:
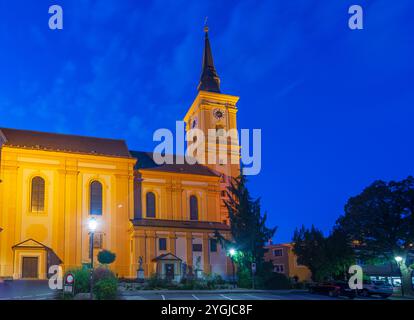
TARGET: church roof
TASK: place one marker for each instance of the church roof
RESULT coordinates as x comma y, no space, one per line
146,161
64,143
209,80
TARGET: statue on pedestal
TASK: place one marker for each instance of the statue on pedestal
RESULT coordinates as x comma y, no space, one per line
140,273
198,267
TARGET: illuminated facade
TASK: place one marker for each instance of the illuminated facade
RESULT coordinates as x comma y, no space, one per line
162,215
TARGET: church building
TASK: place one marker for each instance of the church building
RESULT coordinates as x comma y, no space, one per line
160,218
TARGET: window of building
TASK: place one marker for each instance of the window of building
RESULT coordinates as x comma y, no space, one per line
278,252
193,208
279,268
197,247
38,195
162,244
150,205
213,245
95,198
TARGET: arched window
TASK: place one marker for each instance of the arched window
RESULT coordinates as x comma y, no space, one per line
193,208
95,198
38,195
150,205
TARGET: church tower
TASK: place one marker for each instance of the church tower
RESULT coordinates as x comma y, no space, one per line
215,114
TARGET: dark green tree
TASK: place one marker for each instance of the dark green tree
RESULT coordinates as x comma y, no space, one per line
381,221
248,226
106,257
326,257
308,245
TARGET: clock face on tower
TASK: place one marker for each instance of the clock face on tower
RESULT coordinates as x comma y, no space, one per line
218,114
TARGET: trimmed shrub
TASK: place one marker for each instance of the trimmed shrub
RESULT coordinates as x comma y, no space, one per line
82,279
102,273
244,279
106,257
277,281
106,289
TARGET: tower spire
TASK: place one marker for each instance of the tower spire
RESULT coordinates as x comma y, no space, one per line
209,80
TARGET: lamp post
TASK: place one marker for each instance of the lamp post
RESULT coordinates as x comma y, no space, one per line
92,224
399,261
232,253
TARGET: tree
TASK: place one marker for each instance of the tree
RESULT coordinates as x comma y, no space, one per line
106,257
248,226
381,221
326,257
308,245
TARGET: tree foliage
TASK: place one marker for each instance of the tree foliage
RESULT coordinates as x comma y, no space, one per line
248,225
381,221
326,257
106,257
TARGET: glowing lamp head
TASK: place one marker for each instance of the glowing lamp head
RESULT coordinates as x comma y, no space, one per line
398,259
232,252
92,224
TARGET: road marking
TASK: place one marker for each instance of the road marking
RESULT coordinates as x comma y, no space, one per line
195,297
43,294
163,297
225,297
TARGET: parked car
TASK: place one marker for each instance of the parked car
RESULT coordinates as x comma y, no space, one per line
376,287
333,289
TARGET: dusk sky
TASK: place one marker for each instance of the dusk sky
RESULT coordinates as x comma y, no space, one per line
336,106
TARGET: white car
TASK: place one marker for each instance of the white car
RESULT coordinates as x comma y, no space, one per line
376,287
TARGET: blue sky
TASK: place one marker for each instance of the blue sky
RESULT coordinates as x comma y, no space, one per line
335,106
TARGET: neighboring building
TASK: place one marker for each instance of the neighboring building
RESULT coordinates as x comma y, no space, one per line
285,261
163,215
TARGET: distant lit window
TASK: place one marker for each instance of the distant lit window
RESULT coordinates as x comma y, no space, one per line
38,195
193,208
279,268
150,197
162,244
278,252
95,198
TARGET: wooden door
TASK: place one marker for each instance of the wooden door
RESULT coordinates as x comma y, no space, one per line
30,267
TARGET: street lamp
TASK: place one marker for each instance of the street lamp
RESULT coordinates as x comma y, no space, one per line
232,253
399,260
92,225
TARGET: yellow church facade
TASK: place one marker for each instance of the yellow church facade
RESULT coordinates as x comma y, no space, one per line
158,218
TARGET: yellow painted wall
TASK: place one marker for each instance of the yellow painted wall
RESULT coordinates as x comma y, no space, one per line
62,225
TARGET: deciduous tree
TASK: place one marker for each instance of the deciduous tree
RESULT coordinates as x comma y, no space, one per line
381,221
